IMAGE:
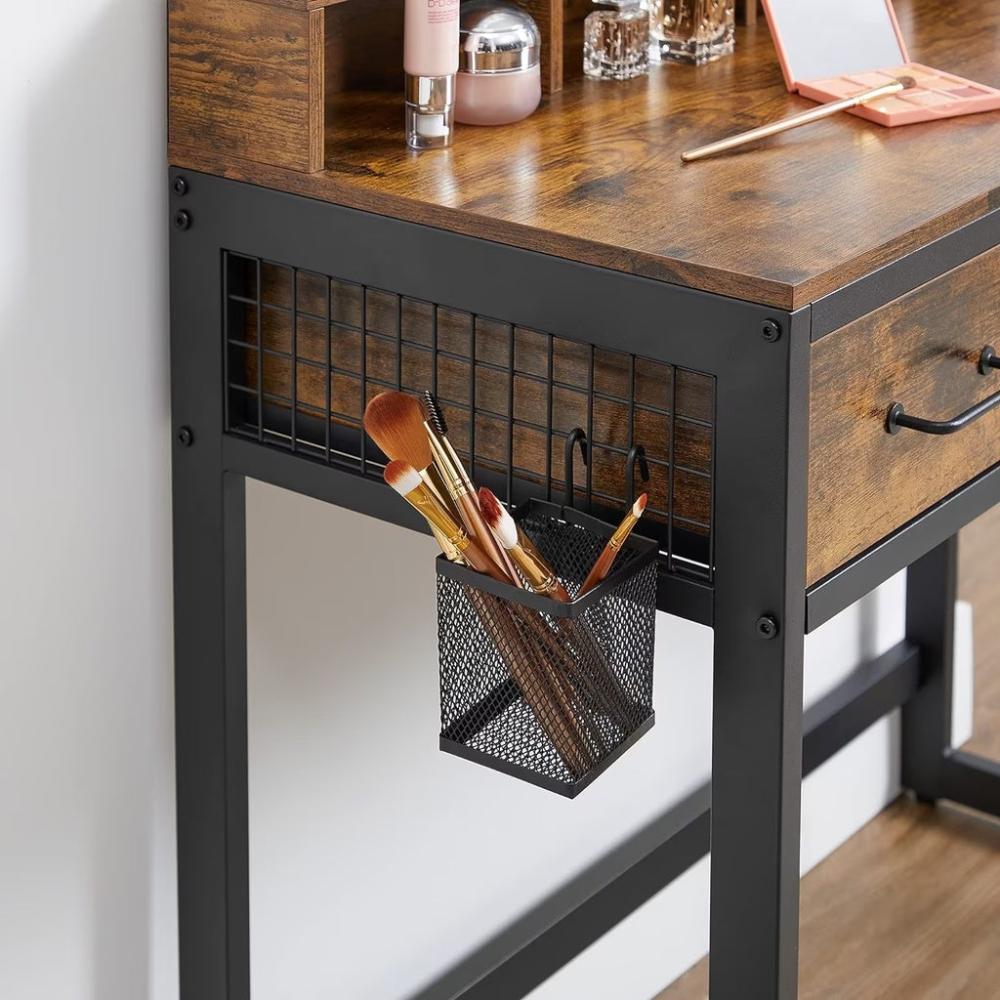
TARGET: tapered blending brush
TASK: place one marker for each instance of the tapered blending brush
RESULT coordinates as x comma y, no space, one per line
460,487
395,422
606,559
541,577
406,481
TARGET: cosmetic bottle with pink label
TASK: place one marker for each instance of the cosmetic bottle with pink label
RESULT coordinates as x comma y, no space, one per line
430,62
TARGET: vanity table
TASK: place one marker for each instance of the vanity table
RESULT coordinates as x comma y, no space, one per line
788,348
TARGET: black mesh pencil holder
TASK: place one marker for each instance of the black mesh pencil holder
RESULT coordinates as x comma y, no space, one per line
549,692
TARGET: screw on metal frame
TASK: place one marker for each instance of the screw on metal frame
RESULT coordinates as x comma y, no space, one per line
770,330
185,437
182,219
180,186
767,626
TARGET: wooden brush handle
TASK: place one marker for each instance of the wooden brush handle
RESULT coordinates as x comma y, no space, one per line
496,618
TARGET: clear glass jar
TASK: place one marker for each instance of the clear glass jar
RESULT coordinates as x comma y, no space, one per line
691,31
616,41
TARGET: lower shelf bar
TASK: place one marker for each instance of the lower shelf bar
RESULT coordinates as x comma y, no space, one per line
538,944
971,780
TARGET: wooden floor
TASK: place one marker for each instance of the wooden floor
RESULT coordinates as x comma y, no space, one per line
909,908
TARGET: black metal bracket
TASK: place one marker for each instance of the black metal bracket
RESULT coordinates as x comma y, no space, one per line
577,434
636,454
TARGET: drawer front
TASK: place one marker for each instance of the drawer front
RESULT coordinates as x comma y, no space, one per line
921,350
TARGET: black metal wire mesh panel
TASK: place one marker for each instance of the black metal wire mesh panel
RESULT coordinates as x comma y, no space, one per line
550,699
304,352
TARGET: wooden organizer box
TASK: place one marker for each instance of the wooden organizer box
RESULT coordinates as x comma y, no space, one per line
259,79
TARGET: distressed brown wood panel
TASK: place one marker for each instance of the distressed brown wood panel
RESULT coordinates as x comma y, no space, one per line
246,81
595,175
920,350
548,15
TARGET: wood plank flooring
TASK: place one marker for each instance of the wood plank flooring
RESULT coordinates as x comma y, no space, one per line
907,909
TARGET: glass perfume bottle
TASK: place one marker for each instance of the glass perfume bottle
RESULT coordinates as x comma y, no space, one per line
616,40
691,31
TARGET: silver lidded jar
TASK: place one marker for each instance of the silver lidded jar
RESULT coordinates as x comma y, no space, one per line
499,73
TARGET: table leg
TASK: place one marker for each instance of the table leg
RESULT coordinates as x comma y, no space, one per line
757,697
209,532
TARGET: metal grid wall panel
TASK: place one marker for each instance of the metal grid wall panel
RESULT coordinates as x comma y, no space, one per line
304,352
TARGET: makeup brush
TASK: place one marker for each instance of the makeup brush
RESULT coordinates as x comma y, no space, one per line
395,422
541,577
606,559
812,115
588,669
406,481
460,487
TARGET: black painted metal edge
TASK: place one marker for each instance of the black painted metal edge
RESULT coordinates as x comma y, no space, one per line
971,780
846,585
904,274
544,939
568,789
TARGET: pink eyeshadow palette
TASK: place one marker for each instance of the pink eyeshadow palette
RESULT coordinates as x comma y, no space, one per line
936,95
831,49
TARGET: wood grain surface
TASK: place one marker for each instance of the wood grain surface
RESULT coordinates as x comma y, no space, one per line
246,80
907,909
921,350
595,174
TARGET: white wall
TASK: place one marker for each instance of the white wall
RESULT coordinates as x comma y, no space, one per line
371,850
377,861
86,774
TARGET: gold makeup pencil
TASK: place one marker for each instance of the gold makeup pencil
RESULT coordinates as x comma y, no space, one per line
606,559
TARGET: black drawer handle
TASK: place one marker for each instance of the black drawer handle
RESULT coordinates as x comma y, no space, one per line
897,417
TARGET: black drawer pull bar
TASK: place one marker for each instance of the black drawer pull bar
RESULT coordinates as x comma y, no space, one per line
897,417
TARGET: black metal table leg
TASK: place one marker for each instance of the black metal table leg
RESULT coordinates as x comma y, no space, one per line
931,584
931,767
757,699
209,647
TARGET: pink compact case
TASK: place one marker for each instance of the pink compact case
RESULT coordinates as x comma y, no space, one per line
830,49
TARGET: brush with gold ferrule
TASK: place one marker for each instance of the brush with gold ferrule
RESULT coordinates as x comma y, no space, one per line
461,489
406,481
540,576
395,422
605,560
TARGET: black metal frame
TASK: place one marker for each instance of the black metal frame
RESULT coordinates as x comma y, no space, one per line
757,603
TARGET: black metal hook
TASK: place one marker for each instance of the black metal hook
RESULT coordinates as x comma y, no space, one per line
576,434
635,454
